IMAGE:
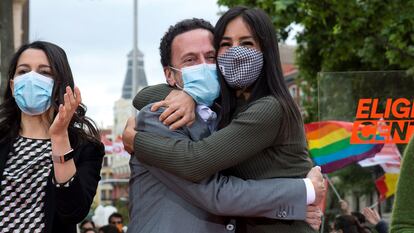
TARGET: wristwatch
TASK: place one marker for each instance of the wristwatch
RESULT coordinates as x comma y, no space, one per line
63,158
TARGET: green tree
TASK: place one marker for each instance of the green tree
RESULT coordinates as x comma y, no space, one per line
348,35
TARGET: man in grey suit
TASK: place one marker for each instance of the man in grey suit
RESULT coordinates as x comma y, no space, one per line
162,202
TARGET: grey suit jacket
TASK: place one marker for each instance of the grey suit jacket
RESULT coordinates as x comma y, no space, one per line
163,202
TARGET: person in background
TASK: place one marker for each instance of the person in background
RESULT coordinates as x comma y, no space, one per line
86,224
108,229
373,217
89,230
362,220
347,224
402,219
344,206
50,152
116,220
368,215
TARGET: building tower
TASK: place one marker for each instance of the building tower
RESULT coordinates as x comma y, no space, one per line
123,107
141,81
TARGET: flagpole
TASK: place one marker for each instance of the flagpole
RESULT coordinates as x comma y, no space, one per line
322,224
374,205
333,187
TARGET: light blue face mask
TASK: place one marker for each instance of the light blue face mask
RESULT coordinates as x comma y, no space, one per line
32,92
201,82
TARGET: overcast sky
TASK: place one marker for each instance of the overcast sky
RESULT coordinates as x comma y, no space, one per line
97,35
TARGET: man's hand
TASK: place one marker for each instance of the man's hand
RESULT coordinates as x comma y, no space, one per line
128,135
316,177
313,217
180,109
372,216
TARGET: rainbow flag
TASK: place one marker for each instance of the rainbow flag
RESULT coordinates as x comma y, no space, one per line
330,147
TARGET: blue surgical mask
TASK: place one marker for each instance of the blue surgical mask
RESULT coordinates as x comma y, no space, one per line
32,92
201,82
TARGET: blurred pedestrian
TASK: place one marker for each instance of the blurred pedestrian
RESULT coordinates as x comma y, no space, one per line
345,209
116,220
373,217
362,220
108,229
348,224
349,221
86,224
89,230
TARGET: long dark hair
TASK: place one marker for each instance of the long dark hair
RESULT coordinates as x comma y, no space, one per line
81,128
271,80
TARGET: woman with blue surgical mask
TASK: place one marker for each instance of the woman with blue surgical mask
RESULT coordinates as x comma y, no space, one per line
50,152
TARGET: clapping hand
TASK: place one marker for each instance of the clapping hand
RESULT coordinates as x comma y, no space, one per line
66,111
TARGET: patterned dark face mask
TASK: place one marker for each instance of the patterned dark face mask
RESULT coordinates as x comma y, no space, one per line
240,66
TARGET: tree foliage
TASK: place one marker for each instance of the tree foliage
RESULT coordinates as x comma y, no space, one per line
343,35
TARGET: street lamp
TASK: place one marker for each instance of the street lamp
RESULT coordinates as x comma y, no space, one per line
135,50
